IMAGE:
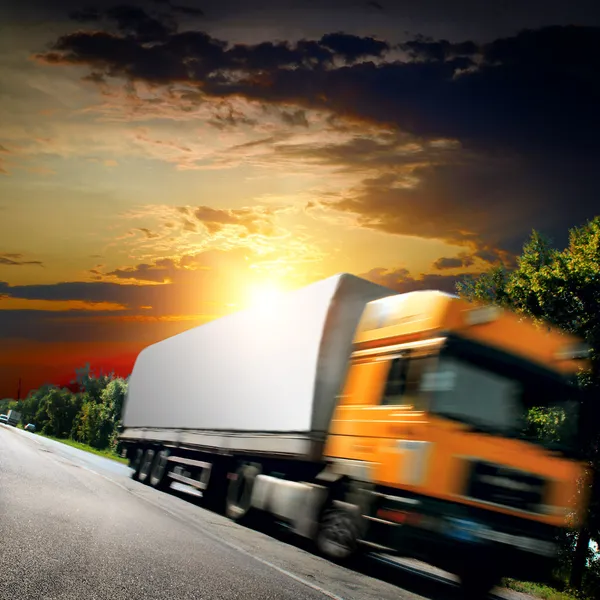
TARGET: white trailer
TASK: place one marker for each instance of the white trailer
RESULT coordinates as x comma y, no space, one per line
261,381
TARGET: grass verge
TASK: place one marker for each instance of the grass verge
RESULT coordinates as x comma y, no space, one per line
538,590
104,453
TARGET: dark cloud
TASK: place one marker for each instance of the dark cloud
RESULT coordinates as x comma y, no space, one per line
230,118
402,281
522,108
189,11
501,95
188,282
193,56
438,50
81,326
454,262
86,15
11,259
296,118
134,21
352,47
465,202
94,292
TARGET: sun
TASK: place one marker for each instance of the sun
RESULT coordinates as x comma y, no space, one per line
265,294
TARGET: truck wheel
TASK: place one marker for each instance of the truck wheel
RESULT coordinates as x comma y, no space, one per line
214,496
146,466
158,472
478,582
239,494
136,463
337,537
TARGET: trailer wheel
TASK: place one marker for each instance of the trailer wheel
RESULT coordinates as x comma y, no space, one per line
158,472
338,535
239,493
136,463
146,466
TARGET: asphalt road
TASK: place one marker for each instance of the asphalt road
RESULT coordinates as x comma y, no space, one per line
74,525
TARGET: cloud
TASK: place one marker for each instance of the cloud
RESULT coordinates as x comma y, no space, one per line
443,94
263,232
256,220
453,262
504,169
465,202
402,281
148,234
170,286
193,56
11,259
296,118
351,47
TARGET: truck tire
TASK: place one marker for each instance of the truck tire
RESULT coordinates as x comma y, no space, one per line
136,463
146,466
337,538
239,494
214,497
158,472
478,582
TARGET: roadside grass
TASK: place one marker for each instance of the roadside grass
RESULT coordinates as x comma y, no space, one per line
539,590
80,446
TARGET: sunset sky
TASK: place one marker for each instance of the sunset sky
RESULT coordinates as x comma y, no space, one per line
164,163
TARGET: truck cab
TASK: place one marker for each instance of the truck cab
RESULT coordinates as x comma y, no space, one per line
432,425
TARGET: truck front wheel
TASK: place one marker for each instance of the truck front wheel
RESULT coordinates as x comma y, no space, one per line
338,535
478,582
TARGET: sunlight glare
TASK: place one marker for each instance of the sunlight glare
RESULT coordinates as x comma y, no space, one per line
265,295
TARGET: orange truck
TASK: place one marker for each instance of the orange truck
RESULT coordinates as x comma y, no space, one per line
368,420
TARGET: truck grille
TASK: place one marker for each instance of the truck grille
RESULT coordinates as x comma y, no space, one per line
503,486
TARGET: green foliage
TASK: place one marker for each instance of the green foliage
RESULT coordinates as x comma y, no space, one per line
95,426
547,423
7,404
90,416
61,409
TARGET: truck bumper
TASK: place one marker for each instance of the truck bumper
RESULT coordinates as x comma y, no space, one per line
452,536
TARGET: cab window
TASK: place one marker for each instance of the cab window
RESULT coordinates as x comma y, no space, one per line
403,382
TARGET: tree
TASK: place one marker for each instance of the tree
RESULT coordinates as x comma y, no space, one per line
561,288
90,383
61,408
113,397
95,426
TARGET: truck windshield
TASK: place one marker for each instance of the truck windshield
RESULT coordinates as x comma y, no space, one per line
499,394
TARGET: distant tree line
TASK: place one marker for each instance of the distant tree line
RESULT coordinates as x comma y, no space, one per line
87,411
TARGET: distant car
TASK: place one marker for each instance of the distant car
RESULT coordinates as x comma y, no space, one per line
29,427
3,418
